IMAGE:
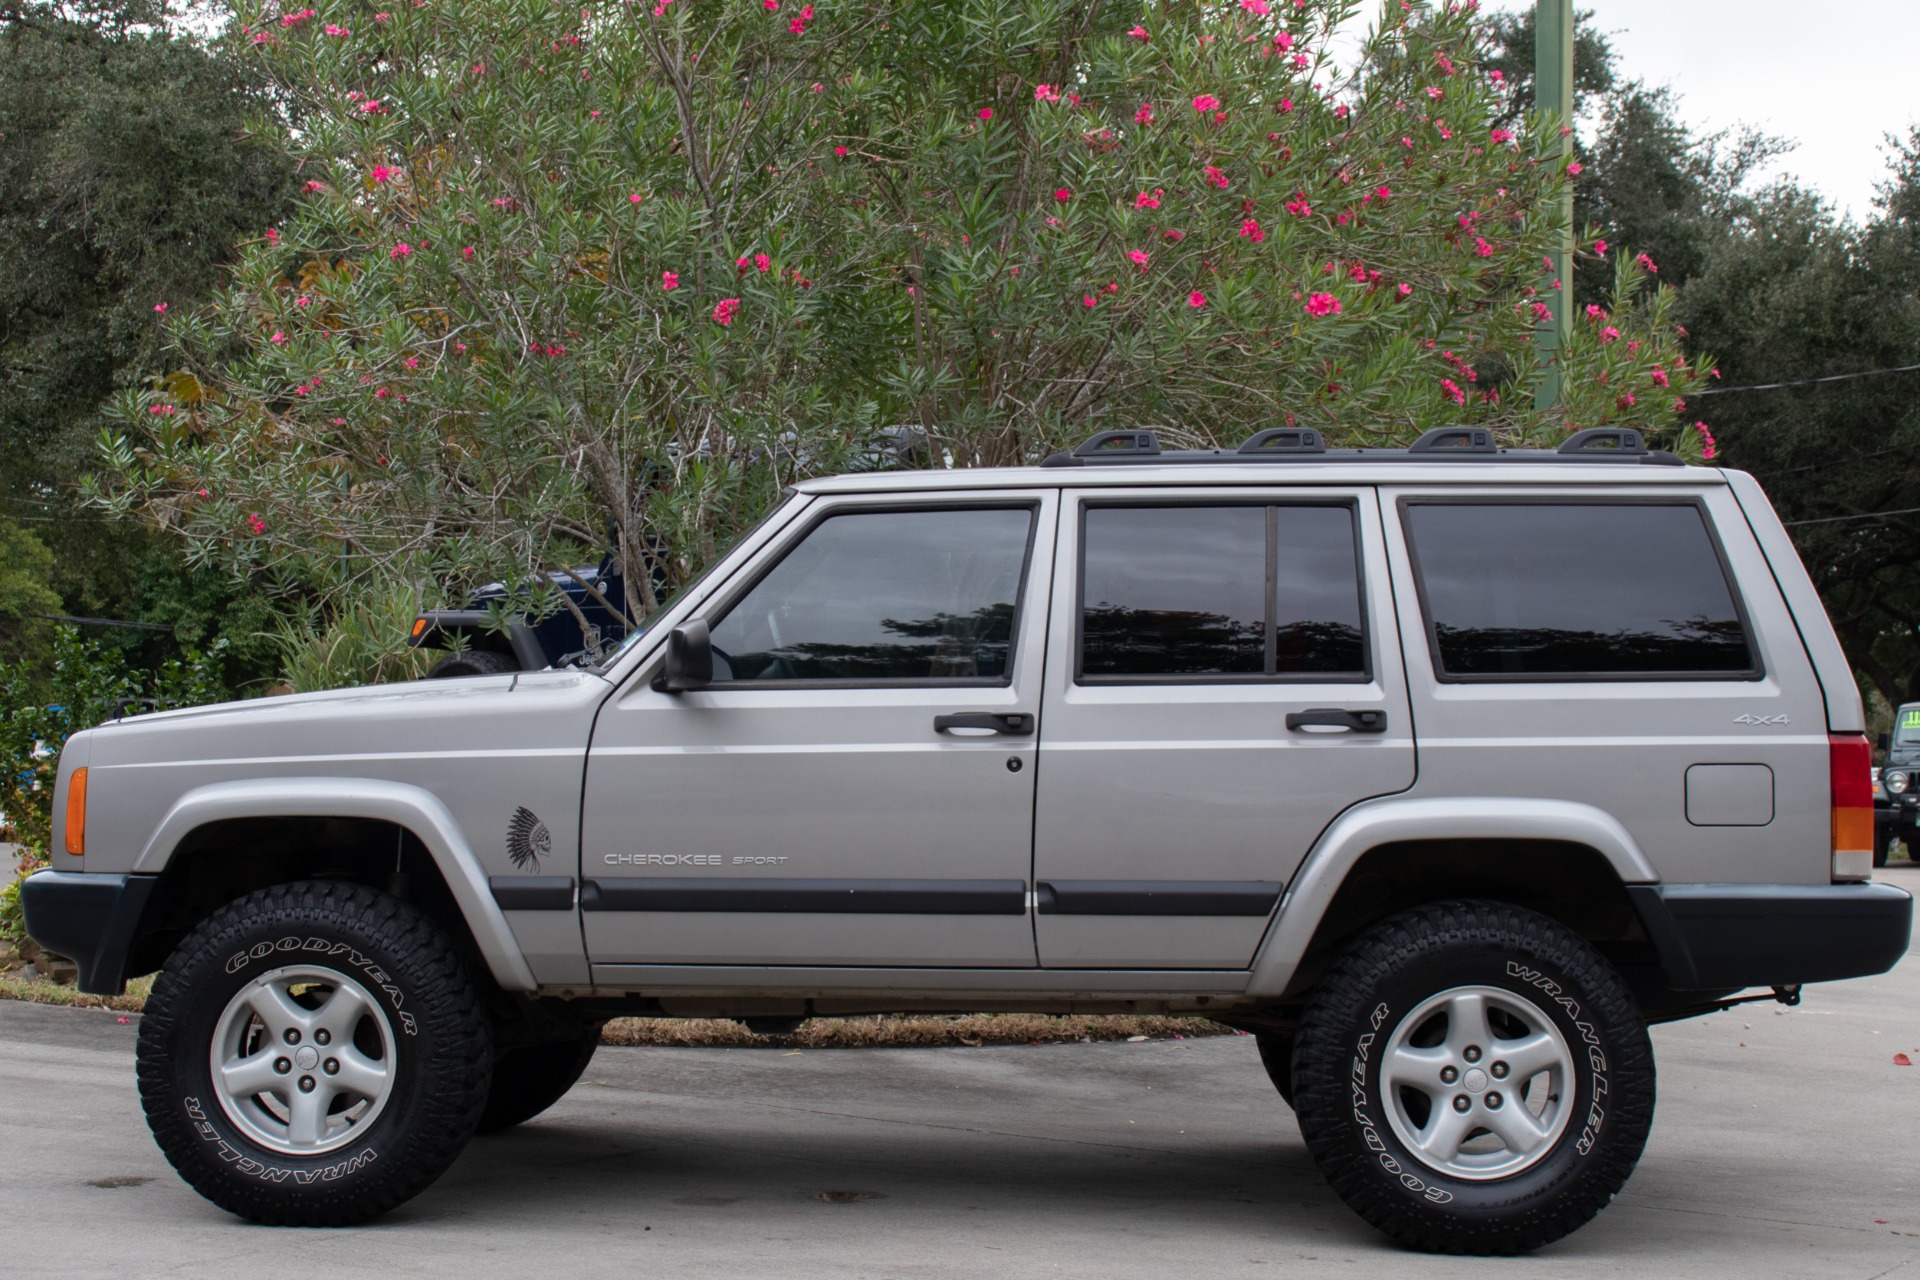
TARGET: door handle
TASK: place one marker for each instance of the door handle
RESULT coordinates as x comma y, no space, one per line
1014,722
1338,718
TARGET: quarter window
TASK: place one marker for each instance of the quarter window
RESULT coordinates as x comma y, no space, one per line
1576,589
884,595
1220,591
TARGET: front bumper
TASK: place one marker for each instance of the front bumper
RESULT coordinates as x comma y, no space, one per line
92,919
1722,936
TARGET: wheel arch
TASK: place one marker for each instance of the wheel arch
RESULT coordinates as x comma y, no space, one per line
227,839
1569,861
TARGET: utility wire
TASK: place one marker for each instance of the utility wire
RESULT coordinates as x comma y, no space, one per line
1871,515
1805,382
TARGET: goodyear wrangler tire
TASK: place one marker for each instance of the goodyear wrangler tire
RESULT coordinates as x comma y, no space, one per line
313,1054
1473,1077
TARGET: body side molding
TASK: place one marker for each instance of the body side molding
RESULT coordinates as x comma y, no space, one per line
1391,820
416,809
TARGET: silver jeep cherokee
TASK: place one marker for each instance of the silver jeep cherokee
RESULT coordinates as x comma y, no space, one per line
1443,770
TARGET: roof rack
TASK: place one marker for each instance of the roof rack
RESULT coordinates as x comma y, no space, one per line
1304,444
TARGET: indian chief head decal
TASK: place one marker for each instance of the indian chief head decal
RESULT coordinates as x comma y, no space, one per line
528,840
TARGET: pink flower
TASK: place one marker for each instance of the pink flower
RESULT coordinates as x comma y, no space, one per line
161,307
400,250
1659,377
1711,447
1451,390
724,311
1646,264
467,252
273,237
1088,300
313,186
278,339
382,393
1600,248
1206,102
1626,401
669,280
1298,206
1196,299
798,26
771,6
381,173
373,107
1609,333
382,17
1435,92
1215,178
1145,201
1139,33
1383,193
1542,312
840,151
1496,76
1283,41
1343,111
303,303
1062,195
1573,169
412,362
1322,304
1045,93
1499,136
986,113
1258,8
1171,234
1405,289
255,523
1138,257
1144,115
1596,312
1300,62
1252,230
634,197
334,30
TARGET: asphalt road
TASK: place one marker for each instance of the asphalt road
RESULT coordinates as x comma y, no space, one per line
1787,1144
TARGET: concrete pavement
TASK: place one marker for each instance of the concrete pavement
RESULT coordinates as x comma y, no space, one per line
1782,1135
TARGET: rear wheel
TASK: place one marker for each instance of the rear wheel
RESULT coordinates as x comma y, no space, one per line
313,1054
1473,1077
529,1079
472,662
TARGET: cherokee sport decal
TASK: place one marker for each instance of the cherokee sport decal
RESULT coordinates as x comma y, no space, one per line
528,839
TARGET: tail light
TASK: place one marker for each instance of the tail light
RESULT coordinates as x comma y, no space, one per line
76,837
1850,760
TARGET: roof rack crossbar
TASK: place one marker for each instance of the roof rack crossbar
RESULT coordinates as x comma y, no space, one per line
1455,440
1620,441
1120,444
1291,440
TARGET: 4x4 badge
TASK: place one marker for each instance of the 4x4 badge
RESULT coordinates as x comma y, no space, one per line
1758,720
528,840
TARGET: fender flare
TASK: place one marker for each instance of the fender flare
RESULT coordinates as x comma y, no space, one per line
1390,821
414,808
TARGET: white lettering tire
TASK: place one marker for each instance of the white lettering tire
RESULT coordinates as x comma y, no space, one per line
313,1054
1472,1077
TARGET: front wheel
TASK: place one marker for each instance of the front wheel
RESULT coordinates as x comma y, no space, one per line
313,1054
1473,1077
1882,845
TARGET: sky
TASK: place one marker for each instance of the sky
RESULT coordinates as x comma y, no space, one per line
1835,77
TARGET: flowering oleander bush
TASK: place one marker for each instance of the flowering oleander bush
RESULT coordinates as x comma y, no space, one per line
565,268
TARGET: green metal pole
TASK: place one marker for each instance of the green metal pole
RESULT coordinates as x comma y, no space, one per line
1553,101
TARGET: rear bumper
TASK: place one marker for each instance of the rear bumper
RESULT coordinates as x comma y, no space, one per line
1720,936
91,919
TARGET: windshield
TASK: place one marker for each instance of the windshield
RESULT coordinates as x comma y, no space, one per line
681,594
1906,730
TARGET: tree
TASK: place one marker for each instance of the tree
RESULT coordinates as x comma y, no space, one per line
126,176
558,270
1790,293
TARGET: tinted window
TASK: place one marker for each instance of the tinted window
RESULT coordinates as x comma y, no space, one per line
884,595
1518,589
1219,591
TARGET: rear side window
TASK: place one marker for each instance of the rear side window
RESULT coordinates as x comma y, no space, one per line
1576,590
1220,592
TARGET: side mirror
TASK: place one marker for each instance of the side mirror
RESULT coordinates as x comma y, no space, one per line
1886,741
689,662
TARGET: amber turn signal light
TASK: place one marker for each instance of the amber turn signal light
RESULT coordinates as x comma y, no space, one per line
419,625
76,841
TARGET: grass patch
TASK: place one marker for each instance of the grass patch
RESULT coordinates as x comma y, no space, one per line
891,1031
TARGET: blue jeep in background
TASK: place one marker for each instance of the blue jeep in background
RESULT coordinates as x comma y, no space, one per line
528,642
